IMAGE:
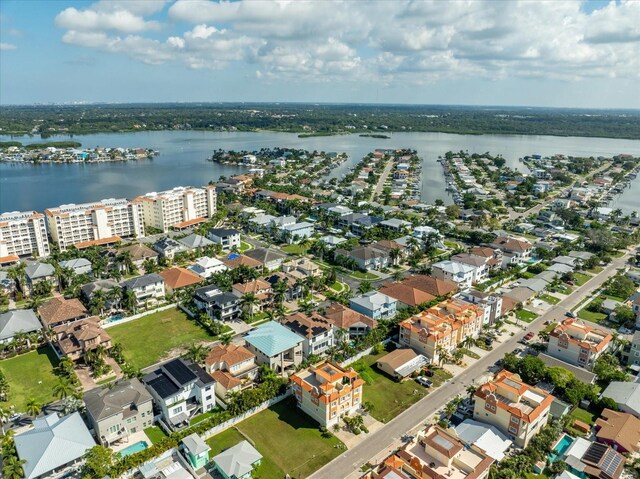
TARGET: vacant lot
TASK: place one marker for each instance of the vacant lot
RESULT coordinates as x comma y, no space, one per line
526,316
30,375
592,316
289,441
388,397
581,278
151,338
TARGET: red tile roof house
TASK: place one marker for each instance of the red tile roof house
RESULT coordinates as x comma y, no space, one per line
176,278
619,430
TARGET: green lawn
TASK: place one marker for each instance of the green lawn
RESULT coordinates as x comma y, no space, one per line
526,316
595,269
200,417
584,416
30,375
244,246
338,287
549,299
295,249
561,288
549,327
155,434
149,339
363,276
587,315
388,397
289,441
581,278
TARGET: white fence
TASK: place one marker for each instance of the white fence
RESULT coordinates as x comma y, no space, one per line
235,420
362,354
138,316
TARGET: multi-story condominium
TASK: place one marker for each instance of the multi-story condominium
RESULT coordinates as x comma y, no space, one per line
435,453
514,407
22,234
181,389
327,391
490,303
119,411
178,208
573,342
441,328
88,224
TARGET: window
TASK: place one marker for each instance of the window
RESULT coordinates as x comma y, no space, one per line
514,420
208,398
513,430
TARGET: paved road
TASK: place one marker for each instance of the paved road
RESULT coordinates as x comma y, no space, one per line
379,444
382,179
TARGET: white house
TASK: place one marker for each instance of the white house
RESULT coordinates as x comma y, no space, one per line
460,273
206,266
296,232
227,238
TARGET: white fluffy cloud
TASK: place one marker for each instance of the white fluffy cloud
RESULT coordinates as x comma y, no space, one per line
414,41
7,46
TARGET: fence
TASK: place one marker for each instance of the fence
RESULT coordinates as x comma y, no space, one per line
362,354
139,315
235,420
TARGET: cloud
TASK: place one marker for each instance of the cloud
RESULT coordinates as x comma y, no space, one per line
7,46
371,41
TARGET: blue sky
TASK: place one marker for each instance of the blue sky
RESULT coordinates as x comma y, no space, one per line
553,53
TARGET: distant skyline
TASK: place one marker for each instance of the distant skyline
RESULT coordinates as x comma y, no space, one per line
504,53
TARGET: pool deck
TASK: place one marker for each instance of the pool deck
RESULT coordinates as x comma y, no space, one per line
132,439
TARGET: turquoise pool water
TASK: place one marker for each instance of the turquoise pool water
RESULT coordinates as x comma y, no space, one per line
561,447
133,448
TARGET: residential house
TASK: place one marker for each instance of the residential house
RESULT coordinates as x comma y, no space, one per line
488,438
332,241
195,242
18,321
225,237
232,366
53,445
396,225
196,451
206,266
626,395
375,305
593,459
387,246
367,257
117,412
432,285
301,268
148,289
296,232
519,294
276,346
346,319
76,339
407,296
514,251
514,407
59,310
401,363
294,289
493,256
105,286
38,273
580,373
568,260
481,264
620,430
317,331
363,223
490,303
534,284
460,273
235,260
258,287
139,253
270,258
169,248
631,352
326,392
219,305
181,389
576,343
441,328
261,223
78,266
237,462
178,278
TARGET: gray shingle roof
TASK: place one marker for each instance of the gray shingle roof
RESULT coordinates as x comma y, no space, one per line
143,281
194,241
103,403
195,445
19,320
237,461
39,270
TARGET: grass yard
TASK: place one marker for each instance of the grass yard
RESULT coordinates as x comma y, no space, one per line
561,288
244,246
30,375
295,249
549,299
595,269
549,327
149,339
338,287
584,416
155,434
362,276
581,278
289,441
388,397
587,315
526,316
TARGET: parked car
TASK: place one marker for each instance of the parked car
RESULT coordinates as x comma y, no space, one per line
488,341
15,416
428,372
465,410
422,380
570,314
571,283
529,335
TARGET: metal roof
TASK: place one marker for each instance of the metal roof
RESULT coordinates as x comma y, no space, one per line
272,338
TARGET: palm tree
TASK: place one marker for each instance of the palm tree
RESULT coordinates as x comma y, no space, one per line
197,353
395,255
115,296
471,390
457,356
249,300
450,408
63,388
225,340
33,407
365,287
4,417
17,273
98,302
12,467
320,249
130,301
397,276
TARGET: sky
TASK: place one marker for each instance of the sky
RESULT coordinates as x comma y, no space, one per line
552,53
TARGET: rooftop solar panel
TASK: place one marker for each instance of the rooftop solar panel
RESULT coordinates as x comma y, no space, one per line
163,387
178,371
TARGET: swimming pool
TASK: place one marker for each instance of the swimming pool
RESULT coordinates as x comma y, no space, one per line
560,448
133,448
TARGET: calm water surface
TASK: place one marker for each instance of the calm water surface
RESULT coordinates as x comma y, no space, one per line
183,153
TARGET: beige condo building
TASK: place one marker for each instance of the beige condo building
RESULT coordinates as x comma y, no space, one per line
22,233
90,224
178,208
